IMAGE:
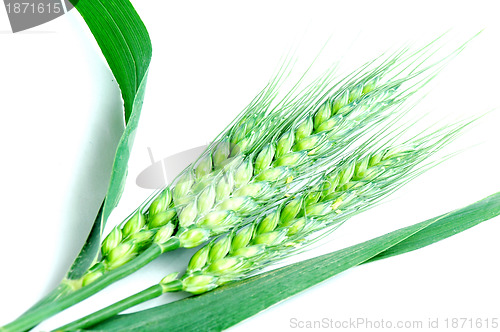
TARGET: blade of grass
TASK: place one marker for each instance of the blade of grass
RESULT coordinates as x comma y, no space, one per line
125,43
248,297
126,46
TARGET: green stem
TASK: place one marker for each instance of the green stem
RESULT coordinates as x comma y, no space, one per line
115,308
39,314
60,291
98,316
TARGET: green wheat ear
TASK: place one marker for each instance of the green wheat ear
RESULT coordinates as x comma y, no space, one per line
263,154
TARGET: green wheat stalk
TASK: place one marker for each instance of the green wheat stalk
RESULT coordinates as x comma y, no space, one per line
263,156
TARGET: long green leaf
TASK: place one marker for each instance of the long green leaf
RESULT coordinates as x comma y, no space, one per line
209,311
125,43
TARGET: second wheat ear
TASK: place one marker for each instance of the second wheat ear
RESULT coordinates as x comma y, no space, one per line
354,185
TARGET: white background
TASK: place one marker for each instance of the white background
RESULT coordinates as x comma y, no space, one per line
61,117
